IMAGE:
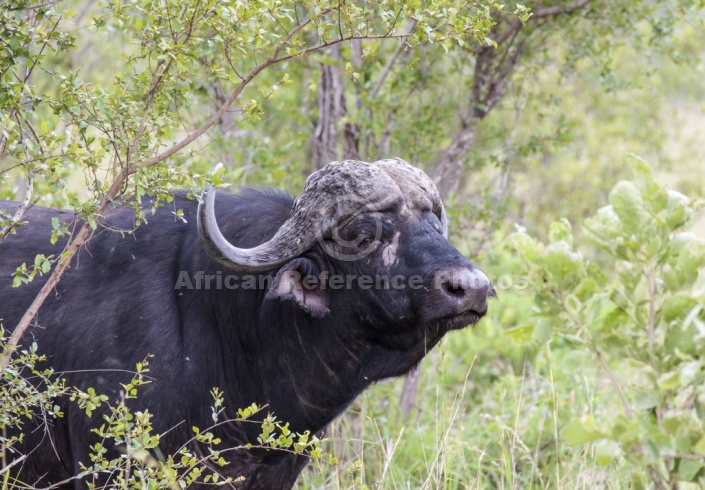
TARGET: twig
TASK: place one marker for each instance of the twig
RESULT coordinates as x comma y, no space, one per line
390,63
24,207
15,462
622,398
61,266
539,14
273,59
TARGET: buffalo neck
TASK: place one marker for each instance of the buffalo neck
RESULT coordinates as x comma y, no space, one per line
305,370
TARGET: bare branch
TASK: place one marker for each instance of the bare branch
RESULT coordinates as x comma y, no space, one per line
14,463
273,59
558,10
61,266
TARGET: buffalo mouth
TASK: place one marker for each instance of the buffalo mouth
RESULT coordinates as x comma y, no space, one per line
460,320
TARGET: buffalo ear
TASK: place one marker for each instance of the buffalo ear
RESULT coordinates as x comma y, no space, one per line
299,281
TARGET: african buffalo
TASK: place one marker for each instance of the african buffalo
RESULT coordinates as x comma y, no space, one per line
295,304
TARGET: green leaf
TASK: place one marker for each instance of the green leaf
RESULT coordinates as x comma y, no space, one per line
560,231
581,431
690,372
628,205
527,246
699,447
604,226
645,398
563,264
651,191
606,451
576,361
677,307
521,334
543,331
677,210
688,469
670,380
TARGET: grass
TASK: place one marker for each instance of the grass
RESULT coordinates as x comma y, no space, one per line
480,423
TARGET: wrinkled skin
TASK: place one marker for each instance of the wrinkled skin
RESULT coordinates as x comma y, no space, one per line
304,353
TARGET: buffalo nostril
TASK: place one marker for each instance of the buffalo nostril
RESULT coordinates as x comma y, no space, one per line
468,288
454,288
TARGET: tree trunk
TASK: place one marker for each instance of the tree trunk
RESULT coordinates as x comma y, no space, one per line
331,113
410,393
351,132
491,75
227,126
448,171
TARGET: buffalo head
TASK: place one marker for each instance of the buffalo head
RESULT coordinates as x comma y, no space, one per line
366,242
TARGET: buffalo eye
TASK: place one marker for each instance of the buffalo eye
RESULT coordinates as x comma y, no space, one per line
366,242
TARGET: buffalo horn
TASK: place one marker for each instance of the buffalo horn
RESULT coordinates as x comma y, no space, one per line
330,196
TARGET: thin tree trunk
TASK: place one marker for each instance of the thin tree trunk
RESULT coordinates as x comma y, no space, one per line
331,111
351,130
410,393
448,171
227,126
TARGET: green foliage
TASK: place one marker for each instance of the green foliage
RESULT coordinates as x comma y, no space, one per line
196,462
24,274
59,121
636,312
123,130
139,463
26,390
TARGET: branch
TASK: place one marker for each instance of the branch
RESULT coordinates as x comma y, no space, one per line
388,67
490,80
540,14
497,84
25,80
114,190
601,358
24,207
61,266
15,462
558,10
622,398
32,7
273,59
